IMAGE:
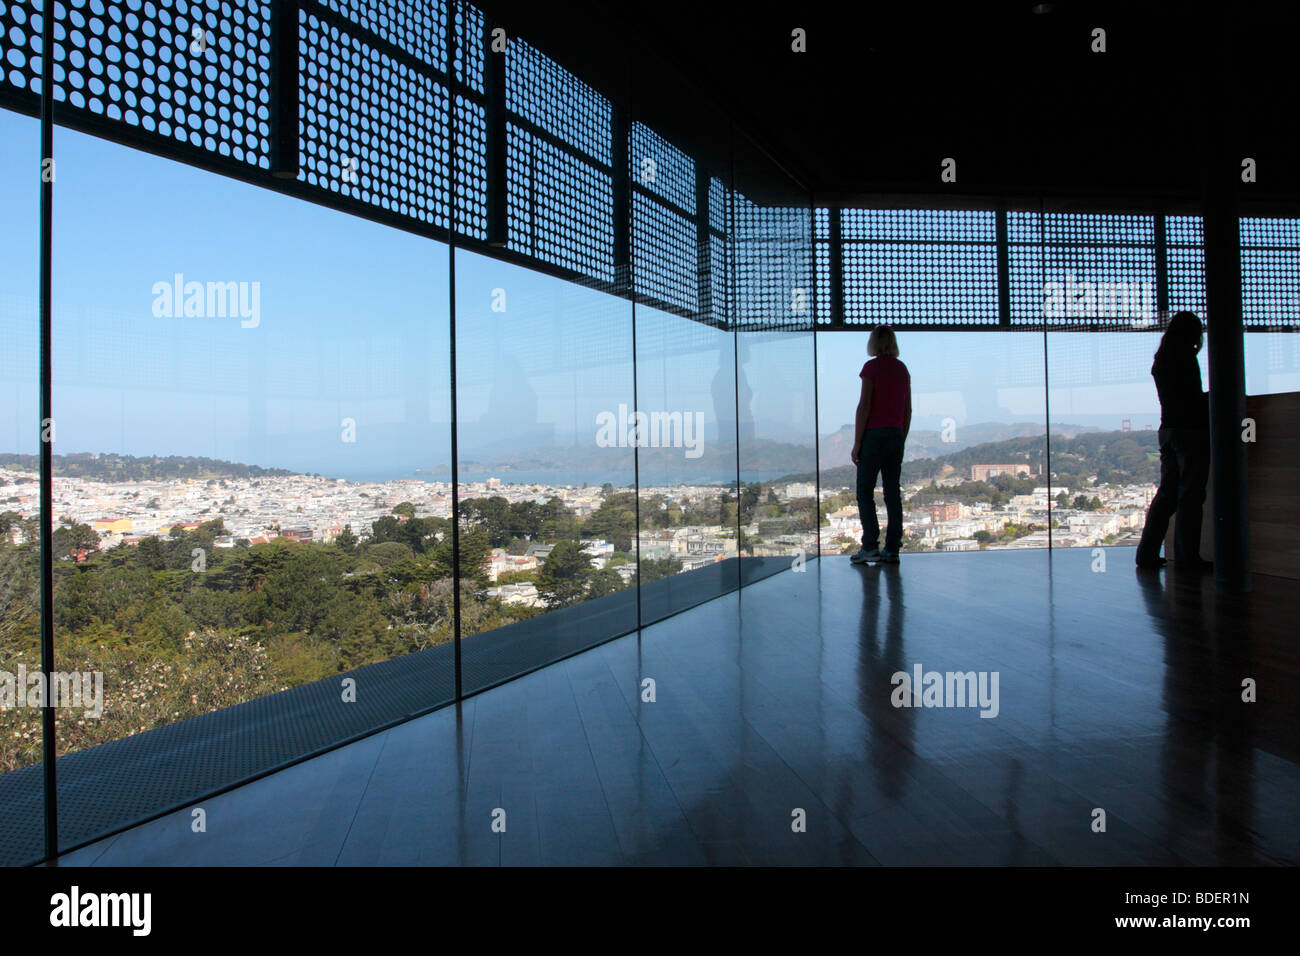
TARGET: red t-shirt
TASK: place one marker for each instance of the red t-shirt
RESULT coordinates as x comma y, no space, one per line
890,385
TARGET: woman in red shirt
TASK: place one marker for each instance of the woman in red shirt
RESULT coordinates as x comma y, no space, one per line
880,429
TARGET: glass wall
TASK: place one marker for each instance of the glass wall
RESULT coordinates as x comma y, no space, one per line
546,481
773,308
1270,265
251,487
21,788
974,465
258,491
686,373
682,243
1100,303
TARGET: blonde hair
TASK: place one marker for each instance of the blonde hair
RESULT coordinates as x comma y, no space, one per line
882,342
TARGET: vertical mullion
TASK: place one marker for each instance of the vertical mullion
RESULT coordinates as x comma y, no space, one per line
494,85
1004,271
45,434
452,38
284,90
817,432
1162,265
837,268
1047,380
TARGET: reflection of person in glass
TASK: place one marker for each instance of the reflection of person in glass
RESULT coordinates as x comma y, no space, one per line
1184,438
879,432
727,401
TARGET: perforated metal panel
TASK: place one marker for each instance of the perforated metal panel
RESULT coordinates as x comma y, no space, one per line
919,267
664,256
664,171
195,73
1082,271
540,92
825,306
372,128
668,270
418,28
195,77
774,283
1270,274
467,58
1185,264
470,168
20,46
561,208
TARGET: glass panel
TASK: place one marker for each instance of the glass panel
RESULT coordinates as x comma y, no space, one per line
1099,300
1270,266
686,373
22,822
973,474
777,504
1272,362
774,309
547,488
253,544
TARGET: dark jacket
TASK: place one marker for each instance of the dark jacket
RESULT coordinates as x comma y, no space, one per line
1178,383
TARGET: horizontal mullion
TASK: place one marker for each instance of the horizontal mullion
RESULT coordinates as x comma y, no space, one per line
845,241
546,136
680,211
1083,244
372,39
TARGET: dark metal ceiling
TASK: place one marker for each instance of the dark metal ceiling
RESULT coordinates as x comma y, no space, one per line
885,92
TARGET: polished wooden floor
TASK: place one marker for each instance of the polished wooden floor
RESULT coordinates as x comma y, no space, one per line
1119,691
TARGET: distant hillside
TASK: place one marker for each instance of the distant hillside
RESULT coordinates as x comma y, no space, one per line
928,443
760,454
131,468
757,455
1113,456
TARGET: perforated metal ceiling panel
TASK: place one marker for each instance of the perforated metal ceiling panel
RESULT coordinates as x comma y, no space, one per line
381,129
1270,273
774,282
372,127
915,268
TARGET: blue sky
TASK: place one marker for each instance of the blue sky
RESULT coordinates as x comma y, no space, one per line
353,324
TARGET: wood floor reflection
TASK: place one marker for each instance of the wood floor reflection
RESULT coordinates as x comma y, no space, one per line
774,736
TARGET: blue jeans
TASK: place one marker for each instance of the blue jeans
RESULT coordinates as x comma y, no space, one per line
881,455
1184,469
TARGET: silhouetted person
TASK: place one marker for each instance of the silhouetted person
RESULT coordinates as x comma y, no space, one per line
879,431
1184,438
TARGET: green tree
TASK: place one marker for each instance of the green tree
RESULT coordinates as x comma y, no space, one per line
654,569
388,553
562,581
604,581
614,520
347,541
494,515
